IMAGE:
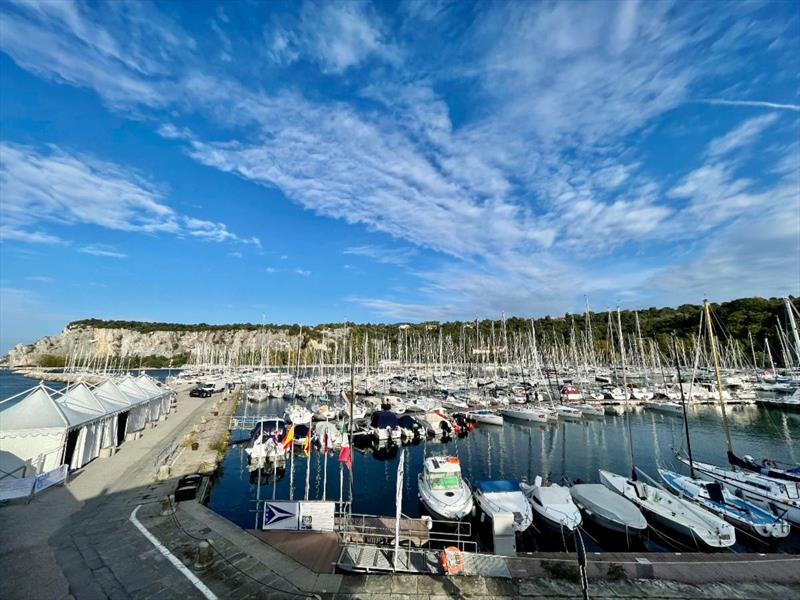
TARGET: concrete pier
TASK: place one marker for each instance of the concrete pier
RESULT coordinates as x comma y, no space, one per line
108,534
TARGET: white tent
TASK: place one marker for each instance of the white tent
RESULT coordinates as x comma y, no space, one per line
85,413
117,403
148,409
33,431
164,395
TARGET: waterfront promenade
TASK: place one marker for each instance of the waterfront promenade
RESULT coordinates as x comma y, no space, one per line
79,541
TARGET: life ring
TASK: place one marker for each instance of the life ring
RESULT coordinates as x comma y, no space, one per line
452,560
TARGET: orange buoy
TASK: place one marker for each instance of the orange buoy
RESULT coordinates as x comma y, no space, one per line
452,560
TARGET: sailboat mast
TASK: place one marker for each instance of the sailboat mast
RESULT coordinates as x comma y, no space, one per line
683,404
711,341
793,325
625,384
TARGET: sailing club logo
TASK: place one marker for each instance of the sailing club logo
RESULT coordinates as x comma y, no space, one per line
275,514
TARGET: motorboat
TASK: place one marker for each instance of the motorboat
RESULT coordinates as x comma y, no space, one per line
614,409
780,496
674,408
440,422
327,435
740,512
553,503
526,413
485,416
384,426
442,490
396,405
675,513
568,412
608,509
257,395
569,393
265,443
504,496
297,414
591,410
411,428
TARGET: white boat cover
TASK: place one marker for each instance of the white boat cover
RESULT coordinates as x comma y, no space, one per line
603,502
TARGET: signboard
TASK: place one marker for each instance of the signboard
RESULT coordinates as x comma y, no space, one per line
317,516
54,477
13,489
302,516
281,515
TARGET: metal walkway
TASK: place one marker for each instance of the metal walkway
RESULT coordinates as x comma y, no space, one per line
379,559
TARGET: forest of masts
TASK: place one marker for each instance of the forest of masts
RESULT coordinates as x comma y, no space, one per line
484,345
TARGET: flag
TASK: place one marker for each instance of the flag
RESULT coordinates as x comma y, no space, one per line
288,438
344,453
307,443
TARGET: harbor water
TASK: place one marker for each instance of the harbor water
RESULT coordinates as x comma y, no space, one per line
516,450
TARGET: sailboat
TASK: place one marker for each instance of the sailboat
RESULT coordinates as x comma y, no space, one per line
671,511
607,509
713,496
659,505
780,495
738,511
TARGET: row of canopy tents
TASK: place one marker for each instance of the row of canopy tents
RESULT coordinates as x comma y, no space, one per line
43,428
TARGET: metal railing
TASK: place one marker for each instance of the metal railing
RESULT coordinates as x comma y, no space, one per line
166,455
366,529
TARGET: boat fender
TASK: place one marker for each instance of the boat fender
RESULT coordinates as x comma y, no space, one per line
452,560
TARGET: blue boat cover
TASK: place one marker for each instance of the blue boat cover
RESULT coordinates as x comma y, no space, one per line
497,485
407,422
383,418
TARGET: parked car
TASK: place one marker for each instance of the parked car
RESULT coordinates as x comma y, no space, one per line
200,392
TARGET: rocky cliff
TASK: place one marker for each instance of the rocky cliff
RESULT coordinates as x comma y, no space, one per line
86,341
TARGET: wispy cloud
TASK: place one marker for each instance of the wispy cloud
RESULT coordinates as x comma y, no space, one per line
103,250
538,175
302,272
743,135
383,254
751,103
337,36
39,279
54,186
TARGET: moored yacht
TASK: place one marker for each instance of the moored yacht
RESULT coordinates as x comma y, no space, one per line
442,489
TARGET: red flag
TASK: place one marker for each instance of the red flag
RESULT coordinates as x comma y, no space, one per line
344,453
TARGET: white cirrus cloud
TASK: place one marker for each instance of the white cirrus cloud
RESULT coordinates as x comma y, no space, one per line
337,36
51,185
382,254
104,250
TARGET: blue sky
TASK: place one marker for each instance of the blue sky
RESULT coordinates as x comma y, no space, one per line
313,162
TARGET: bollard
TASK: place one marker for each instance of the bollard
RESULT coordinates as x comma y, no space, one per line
167,506
205,556
644,569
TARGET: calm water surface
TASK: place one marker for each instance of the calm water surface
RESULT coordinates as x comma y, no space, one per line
516,451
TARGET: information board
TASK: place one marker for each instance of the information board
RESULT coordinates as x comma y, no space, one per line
54,477
317,516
